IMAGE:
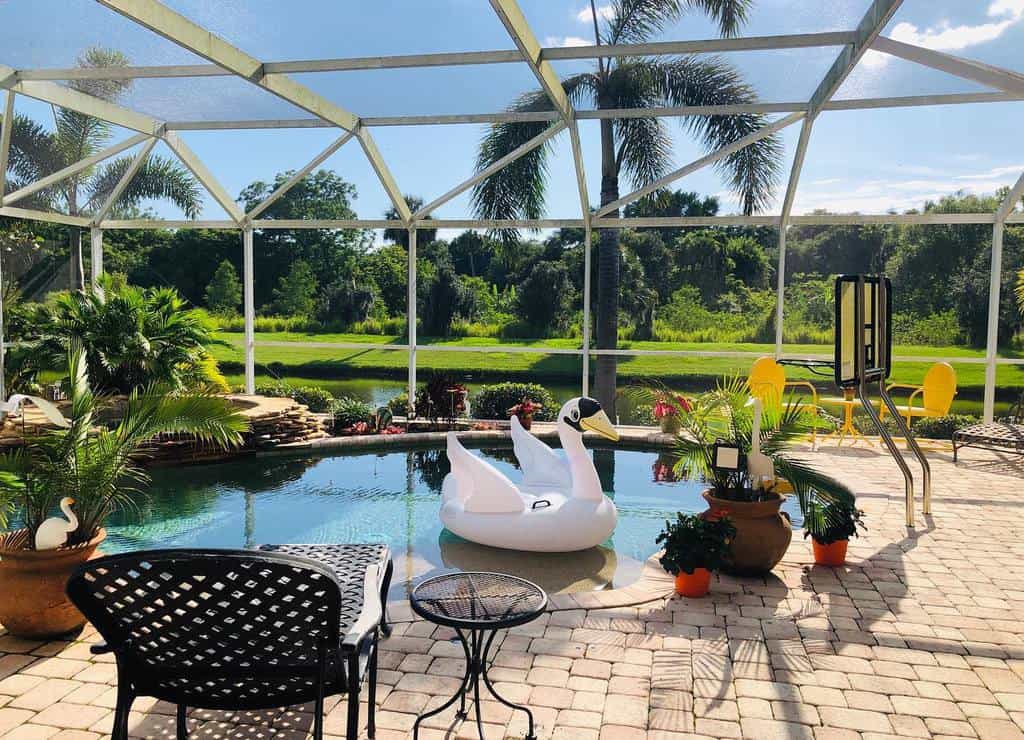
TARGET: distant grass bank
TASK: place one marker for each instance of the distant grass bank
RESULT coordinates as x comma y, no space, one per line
335,363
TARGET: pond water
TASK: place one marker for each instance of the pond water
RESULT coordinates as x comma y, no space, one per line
378,391
395,498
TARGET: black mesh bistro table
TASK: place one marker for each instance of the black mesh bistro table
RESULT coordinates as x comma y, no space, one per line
476,606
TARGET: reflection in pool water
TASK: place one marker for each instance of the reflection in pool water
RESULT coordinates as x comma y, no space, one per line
395,498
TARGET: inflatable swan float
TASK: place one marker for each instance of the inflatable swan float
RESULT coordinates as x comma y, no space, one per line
557,507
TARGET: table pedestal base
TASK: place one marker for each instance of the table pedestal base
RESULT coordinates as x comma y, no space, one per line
476,649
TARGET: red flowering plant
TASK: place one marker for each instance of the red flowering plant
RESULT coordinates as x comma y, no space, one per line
525,408
664,470
668,408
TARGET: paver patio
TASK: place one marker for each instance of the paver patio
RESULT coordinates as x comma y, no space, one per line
920,636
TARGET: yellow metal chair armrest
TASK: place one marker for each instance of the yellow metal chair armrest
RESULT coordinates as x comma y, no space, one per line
805,384
907,386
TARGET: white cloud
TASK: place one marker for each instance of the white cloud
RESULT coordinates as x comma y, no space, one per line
946,37
603,11
882,195
565,41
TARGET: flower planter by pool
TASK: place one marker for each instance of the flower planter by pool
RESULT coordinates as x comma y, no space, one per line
32,599
763,532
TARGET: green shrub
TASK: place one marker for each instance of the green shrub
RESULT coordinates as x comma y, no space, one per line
939,329
132,337
399,405
494,401
274,389
317,399
347,412
937,427
942,427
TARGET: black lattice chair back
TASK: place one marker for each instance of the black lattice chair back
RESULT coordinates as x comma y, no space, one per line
215,628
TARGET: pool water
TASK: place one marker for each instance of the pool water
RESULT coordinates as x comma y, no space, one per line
395,498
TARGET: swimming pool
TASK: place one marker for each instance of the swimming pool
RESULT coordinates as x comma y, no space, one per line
395,497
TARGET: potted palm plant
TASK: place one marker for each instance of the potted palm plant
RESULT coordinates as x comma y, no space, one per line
97,469
723,417
835,523
694,547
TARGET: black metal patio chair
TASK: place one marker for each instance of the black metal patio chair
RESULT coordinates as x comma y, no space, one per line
230,629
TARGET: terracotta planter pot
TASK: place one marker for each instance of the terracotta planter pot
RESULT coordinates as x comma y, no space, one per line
693,585
32,599
832,554
763,533
526,421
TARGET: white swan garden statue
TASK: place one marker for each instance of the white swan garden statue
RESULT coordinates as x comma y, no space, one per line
12,406
54,532
760,467
557,507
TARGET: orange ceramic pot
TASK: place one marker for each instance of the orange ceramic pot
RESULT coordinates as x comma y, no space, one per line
832,555
693,585
763,532
32,599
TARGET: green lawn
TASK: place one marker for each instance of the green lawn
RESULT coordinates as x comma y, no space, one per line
328,362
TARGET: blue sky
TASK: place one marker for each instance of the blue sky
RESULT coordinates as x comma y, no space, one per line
866,161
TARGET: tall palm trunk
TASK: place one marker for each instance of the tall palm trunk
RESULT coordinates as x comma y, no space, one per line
607,278
76,269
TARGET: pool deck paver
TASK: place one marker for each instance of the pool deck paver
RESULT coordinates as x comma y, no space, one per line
920,635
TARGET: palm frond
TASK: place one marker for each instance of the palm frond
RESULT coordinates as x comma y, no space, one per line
729,14
752,172
159,178
645,148
637,20
34,152
518,189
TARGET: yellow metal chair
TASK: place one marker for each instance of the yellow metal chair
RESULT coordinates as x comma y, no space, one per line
935,394
768,382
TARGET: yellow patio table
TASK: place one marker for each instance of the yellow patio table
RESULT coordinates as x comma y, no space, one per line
847,428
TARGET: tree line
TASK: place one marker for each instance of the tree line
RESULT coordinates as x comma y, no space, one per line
677,284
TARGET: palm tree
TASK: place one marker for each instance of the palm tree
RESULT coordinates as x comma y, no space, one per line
132,337
401,236
37,152
640,148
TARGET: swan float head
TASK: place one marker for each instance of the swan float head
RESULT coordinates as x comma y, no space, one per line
584,414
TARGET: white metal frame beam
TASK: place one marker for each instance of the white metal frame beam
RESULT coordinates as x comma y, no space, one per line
452,59
6,126
867,31
197,168
984,74
832,219
520,151
131,172
518,28
455,119
994,288
182,31
65,97
66,172
300,174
